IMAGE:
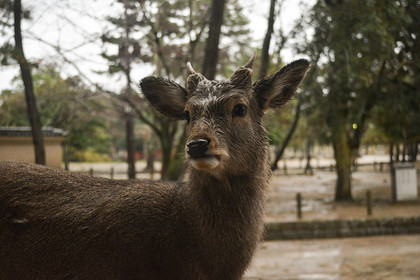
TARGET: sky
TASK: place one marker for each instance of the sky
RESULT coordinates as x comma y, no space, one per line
66,23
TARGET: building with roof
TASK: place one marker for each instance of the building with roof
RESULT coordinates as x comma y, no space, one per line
16,144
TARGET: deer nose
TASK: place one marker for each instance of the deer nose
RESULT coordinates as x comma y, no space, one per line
198,147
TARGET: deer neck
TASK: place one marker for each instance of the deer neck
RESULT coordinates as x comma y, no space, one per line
230,193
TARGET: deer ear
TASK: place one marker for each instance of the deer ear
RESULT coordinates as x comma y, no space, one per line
276,90
166,96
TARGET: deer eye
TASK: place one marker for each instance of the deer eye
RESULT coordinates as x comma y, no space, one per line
239,110
187,116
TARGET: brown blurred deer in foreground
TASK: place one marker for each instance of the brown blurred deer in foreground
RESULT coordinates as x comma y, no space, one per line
61,225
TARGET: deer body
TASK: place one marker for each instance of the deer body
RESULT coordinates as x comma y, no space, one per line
81,227
61,225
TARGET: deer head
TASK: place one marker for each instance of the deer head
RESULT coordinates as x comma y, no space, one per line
224,118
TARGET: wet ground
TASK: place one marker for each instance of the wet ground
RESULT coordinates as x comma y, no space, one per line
375,258
317,192
379,257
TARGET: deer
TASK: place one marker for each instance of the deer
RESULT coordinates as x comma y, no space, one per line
56,224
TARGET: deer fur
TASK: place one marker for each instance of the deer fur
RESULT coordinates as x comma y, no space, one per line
56,224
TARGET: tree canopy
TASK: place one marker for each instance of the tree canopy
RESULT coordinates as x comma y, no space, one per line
353,53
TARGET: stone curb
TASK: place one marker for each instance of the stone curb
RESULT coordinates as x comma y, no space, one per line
341,228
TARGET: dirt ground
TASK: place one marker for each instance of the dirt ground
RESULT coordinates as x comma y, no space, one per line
376,258
367,258
317,193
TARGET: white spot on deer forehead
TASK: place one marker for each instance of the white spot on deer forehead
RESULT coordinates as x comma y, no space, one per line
205,101
212,88
209,93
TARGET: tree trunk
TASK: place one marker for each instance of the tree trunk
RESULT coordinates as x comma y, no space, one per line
409,151
308,167
288,136
172,153
34,119
391,153
166,159
342,155
176,168
131,148
212,44
265,58
150,157
404,151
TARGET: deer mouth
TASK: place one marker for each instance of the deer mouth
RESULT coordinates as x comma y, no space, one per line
205,162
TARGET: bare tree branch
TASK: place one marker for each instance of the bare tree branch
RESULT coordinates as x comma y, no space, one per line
157,40
25,69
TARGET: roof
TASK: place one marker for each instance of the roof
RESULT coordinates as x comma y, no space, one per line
26,131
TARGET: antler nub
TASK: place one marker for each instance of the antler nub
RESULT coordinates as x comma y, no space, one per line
251,61
190,68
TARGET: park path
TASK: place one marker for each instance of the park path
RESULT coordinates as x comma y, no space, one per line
368,258
317,192
371,258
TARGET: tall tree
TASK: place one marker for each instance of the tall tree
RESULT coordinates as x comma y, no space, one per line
265,67
211,51
25,69
351,50
265,57
131,151
399,122
128,53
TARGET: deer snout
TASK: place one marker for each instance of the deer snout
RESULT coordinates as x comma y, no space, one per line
204,153
198,147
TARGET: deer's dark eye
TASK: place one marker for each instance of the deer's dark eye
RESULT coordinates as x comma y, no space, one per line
239,110
187,116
